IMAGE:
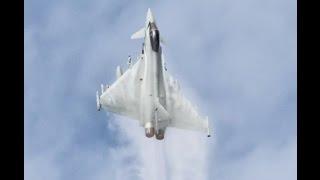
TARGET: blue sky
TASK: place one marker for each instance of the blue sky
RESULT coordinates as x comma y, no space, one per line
236,60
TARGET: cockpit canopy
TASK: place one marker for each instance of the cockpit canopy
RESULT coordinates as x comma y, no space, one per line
154,37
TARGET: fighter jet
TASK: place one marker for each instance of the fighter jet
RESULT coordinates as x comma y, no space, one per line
147,93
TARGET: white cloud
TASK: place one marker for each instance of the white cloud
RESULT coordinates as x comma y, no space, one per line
263,162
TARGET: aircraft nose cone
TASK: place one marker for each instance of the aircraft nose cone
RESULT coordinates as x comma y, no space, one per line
150,17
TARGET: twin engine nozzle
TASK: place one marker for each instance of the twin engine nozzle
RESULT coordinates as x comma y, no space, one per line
150,132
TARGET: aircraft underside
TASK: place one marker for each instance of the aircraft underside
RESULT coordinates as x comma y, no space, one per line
147,92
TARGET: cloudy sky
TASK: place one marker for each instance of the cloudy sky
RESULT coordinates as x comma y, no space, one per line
236,60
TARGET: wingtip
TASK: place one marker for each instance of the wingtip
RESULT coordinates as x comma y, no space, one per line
98,101
208,128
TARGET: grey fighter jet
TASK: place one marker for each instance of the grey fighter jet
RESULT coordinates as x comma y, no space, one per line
147,93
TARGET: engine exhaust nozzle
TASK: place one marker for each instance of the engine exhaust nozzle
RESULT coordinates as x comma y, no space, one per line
149,132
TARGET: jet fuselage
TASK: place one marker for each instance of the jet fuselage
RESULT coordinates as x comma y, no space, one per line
153,89
148,93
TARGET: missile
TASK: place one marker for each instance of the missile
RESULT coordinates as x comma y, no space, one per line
118,72
102,89
129,61
208,129
98,101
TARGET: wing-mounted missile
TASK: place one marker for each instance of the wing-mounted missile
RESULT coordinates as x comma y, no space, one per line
208,129
119,72
98,101
142,51
102,88
129,61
